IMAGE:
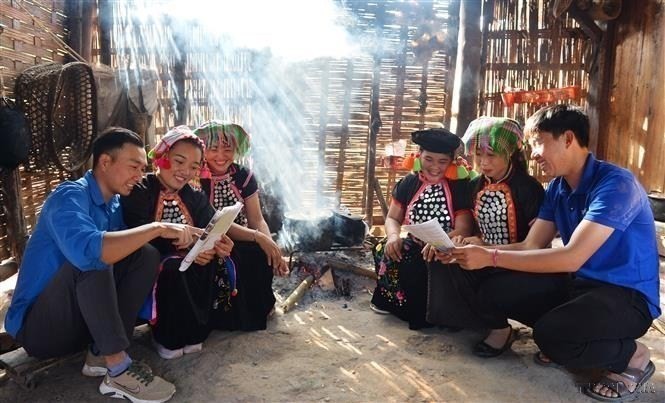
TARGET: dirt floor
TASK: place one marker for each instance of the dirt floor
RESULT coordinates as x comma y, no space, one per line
333,348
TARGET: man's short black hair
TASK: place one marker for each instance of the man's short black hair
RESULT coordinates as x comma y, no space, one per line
556,119
112,139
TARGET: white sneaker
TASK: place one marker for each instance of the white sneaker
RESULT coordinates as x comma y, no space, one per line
95,365
137,384
167,354
192,348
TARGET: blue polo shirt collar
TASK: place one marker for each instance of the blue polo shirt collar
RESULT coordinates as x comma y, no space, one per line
585,181
96,192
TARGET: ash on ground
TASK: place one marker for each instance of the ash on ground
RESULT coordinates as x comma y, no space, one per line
333,279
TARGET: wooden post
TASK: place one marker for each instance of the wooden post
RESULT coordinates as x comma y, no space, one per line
105,26
399,86
15,214
380,198
73,10
451,42
88,10
598,97
399,103
374,118
344,131
179,81
323,123
488,15
467,71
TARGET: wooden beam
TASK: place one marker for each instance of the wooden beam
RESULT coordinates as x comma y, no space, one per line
468,69
598,96
15,215
179,82
323,124
344,130
105,26
380,198
73,11
374,118
451,43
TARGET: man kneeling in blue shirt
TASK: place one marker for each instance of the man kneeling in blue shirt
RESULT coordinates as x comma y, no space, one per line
607,228
84,277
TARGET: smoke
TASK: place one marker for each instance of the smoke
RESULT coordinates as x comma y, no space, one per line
294,30
250,59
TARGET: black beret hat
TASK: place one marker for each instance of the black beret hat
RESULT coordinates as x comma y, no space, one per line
437,140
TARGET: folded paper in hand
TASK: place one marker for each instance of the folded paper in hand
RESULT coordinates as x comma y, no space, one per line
431,232
218,225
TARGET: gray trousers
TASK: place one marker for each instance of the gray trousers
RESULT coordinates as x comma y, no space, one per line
79,307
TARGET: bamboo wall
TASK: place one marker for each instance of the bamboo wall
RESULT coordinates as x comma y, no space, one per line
526,48
334,95
24,43
635,136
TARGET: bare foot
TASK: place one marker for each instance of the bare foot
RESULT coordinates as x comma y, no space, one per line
639,360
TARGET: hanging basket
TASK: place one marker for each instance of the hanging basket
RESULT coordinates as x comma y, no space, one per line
60,103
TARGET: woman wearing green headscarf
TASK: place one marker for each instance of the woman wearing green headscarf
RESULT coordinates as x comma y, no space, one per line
506,200
256,255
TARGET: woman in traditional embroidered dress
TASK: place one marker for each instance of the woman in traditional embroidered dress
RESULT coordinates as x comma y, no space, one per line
256,255
506,200
419,197
179,308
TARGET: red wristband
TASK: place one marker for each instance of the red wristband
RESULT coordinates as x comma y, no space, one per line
494,256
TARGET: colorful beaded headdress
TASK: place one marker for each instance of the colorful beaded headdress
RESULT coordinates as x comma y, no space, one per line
502,136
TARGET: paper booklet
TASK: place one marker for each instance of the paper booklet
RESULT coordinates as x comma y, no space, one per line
218,225
431,232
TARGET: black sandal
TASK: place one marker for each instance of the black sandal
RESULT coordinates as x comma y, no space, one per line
484,350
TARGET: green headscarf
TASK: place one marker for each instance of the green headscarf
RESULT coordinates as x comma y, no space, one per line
216,131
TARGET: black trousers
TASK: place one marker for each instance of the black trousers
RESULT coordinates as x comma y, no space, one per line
487,298
78,307
576,322
596,327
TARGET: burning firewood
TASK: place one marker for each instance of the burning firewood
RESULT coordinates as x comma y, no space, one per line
302,288
339,264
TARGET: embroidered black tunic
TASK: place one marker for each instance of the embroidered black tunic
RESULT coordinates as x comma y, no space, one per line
179,308
503,212
255,299
402,286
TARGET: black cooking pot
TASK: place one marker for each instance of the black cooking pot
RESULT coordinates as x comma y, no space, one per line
657,202
308,232
349,229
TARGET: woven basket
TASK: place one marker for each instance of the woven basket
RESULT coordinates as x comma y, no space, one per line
60,103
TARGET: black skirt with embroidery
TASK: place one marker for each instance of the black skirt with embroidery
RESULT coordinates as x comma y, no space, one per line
249,308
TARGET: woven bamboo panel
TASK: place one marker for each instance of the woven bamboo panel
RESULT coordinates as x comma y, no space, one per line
24,43
333,96
527,48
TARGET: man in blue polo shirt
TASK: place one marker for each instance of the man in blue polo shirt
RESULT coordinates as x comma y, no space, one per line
84,277
607,228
